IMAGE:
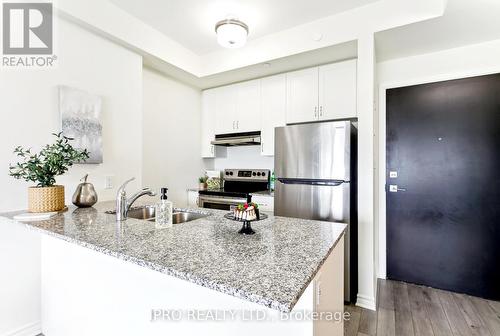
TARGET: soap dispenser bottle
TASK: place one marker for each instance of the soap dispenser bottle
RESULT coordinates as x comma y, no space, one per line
164,209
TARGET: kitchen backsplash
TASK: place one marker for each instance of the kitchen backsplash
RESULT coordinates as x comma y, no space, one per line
244,157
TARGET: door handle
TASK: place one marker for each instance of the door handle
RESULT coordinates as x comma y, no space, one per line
394,188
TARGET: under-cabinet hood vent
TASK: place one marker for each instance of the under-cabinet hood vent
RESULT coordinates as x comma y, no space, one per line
237,139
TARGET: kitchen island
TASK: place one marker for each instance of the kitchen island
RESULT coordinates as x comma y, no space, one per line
102,277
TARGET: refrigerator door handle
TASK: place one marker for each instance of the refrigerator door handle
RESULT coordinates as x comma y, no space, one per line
311,181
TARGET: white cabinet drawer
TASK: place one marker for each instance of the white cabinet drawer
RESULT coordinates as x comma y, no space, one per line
265,203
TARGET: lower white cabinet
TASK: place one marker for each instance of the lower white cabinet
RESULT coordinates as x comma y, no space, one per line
192,196
265,202
273,99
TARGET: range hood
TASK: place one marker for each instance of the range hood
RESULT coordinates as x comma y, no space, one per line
237,139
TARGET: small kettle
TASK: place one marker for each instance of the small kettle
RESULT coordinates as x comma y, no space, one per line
85,195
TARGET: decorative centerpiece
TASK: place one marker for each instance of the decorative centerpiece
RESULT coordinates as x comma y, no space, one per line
246,213
42,169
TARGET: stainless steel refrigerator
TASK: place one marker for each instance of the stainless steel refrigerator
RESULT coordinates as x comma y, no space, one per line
315,167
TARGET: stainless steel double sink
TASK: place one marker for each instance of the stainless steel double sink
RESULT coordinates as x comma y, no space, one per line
147,212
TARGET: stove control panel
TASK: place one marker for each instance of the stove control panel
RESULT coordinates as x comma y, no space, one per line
247,174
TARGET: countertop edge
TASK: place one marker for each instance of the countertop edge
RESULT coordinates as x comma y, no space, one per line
207,283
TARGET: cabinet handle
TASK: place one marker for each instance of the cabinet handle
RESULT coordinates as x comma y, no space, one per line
321,111
262,147
237,124
315,111
233,124
212,149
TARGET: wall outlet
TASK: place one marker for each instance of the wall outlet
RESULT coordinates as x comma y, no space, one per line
108,182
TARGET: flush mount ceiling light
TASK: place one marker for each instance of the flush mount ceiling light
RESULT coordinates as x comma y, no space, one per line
231,33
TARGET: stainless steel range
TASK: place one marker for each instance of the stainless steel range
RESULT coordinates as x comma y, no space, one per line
238,184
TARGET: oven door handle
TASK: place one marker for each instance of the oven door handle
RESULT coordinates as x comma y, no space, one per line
221,200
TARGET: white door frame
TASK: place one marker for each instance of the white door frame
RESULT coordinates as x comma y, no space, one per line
383,87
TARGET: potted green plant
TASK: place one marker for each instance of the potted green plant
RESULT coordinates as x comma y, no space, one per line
42,168
202,182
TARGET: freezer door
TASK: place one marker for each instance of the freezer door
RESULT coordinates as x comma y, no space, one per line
320,202
313,151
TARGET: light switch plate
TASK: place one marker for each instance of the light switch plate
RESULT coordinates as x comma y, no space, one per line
393,174
108,182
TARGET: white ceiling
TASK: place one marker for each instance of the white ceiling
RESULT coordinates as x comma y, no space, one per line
191,22
464,22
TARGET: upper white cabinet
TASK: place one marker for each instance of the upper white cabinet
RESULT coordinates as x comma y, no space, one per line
322,93
225,109
248,96
326,92
238,108
302,95
337,90
208,120
273,100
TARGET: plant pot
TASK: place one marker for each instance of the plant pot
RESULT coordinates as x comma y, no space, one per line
202,186
46,199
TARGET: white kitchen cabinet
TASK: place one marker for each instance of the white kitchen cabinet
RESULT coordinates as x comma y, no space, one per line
208,119
327,92
225,109
238,108
192,196
302,95
248,104
265,202
273,99
337,90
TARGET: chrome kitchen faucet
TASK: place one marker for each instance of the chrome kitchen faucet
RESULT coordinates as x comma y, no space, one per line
123,204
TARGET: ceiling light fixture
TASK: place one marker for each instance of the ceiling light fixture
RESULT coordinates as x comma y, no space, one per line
231,33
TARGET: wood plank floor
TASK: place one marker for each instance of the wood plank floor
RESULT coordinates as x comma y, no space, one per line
411,310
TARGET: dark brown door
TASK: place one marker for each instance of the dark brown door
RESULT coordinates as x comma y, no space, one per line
443,224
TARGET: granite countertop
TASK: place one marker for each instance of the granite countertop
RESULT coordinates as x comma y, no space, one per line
272,267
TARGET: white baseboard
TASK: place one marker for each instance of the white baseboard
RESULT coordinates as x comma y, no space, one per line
30,329
366,302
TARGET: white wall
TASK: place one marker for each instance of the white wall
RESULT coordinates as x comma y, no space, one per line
28,116
473,60
172,135
244,157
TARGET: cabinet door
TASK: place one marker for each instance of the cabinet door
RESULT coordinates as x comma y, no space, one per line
208,117
329,293
248,106
302,96
225,110
265,203
337,90
273,110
